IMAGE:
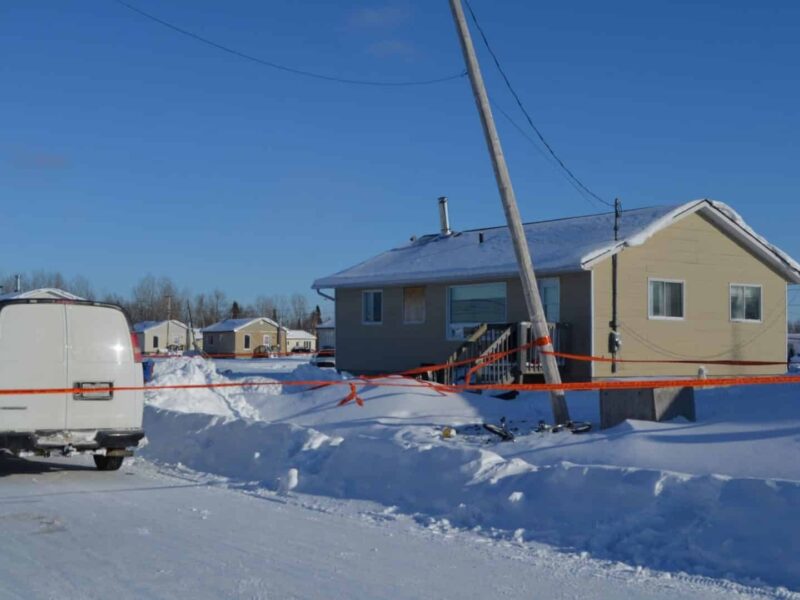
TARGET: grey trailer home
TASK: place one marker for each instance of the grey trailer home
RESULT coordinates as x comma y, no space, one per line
83,349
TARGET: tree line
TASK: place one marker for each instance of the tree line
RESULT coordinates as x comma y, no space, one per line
157,298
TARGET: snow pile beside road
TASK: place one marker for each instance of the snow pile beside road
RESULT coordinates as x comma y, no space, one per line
227,402
717,498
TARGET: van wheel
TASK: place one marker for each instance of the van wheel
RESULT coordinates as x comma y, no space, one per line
108,463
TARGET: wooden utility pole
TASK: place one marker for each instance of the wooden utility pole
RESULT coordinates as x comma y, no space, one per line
614,340
169,317
528,277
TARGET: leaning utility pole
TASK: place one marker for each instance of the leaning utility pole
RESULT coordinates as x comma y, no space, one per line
529,287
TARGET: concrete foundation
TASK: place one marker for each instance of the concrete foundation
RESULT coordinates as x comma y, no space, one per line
646,404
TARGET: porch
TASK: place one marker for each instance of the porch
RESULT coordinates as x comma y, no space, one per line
488,340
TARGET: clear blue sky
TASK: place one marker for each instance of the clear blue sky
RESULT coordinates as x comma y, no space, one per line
128,149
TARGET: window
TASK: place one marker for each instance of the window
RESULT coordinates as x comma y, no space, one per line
745,302
414,305
550,292
666,299
246,342
372,307
155,341
266,340
470,305
210,340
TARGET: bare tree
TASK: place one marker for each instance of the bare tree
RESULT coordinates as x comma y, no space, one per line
299,310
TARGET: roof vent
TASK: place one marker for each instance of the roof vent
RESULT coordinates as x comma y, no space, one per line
444,217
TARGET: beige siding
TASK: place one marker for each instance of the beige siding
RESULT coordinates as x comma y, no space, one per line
230,342
395,346
177,335
257,331
708,261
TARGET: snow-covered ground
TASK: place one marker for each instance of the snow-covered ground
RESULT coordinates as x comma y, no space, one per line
718,498
168,533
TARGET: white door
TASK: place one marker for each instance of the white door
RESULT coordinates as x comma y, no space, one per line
100,354
33,356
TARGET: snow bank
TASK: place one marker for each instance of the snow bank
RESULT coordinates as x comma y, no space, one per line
716,498
233,402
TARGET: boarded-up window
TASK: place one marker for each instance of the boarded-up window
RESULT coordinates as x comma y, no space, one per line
414,305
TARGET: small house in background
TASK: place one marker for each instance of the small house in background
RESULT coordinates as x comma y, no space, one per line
298,340
161,336
326,334
244,337
692,281
41,293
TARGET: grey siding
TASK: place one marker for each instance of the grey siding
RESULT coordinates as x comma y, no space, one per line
395,346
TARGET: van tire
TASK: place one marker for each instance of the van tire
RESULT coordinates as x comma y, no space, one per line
108,463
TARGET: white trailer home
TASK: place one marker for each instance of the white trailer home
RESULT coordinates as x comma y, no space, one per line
156,337
298,340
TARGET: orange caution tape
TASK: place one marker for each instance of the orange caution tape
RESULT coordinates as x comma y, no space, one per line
693,361
542,341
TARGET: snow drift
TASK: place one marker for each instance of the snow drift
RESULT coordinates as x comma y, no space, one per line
724,512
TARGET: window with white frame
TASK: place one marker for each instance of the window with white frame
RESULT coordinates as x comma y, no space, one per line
414,304
246,342
468,306
666,299
550,293
372,306
745,302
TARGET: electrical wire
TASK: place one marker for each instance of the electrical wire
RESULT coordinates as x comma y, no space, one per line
287,69
774,316
539,134
548,159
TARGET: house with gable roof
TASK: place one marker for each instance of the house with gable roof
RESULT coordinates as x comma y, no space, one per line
693,281
242,337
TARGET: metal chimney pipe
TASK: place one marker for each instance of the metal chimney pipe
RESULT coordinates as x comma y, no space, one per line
17,283
444,217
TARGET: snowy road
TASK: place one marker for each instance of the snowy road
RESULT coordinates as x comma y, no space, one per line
71,532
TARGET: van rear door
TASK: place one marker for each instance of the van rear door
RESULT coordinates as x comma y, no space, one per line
33,356
101,356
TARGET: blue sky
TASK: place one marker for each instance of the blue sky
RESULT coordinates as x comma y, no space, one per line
129,149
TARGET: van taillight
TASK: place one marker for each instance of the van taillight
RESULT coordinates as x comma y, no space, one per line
137,353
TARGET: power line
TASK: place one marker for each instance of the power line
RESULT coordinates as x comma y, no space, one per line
538,148
285,68
525,112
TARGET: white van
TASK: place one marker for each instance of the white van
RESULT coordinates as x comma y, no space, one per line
85,350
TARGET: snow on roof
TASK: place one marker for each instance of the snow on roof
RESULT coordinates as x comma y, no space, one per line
299,334
145,325
328,324
43,293
235,324
558,246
